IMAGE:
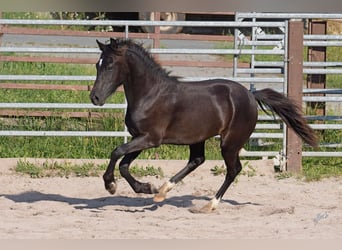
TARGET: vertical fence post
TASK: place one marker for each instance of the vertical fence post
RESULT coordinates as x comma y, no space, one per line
156,41
317,54
294,90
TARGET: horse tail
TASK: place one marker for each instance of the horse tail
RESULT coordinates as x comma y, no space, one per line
288,111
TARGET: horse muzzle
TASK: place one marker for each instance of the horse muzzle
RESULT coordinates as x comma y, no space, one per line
96,99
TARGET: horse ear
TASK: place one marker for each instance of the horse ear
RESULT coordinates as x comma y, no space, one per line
113,43
101,45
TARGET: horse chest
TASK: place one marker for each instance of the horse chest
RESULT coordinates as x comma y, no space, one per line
136,122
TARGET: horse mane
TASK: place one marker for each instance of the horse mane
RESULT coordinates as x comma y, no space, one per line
146,57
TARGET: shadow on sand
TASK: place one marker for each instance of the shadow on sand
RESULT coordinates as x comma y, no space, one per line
141,204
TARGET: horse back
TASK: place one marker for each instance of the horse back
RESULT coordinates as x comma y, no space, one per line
207,108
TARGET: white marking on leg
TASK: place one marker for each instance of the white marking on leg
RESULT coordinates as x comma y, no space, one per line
214,203
166,187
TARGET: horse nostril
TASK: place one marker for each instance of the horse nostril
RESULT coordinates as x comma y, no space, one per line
94,98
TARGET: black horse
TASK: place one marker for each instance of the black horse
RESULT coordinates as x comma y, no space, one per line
163,110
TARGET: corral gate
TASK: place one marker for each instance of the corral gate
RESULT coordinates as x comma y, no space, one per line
260,74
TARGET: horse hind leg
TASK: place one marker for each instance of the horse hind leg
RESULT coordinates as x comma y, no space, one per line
196,159
233,165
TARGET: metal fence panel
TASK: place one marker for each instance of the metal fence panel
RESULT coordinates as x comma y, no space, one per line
259,74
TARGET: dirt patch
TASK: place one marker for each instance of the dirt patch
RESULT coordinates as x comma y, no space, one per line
258,207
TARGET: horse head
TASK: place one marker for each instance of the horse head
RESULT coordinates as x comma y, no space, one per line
111,72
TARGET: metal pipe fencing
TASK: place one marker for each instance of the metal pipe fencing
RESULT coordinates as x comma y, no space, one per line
314,68
261,73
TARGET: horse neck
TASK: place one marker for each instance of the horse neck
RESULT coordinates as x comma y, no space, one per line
141,80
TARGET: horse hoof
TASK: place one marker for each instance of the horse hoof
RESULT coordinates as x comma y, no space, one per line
161,193
210,207
111,188
159,198
202,210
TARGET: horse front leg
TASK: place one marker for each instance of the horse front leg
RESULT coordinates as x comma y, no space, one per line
130,150
138,187
108,176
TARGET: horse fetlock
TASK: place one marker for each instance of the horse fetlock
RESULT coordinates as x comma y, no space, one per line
153,189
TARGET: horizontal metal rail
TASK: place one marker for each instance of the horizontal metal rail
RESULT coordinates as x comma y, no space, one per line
281,64
40,105
142,23
245,42
322,91
268,126
100,133
322,37
258,153
258,70
219,51
322,98
324,118
322,71
305,153
287,16
49,50
64,133
321,154
326,126
322,64
239,79
323,43
47,78
270,36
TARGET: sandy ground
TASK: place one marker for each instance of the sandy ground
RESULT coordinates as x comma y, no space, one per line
257,207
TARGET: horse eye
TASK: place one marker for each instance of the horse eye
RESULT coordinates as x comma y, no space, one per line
107,64
109,68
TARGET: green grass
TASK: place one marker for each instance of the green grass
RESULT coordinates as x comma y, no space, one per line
67,169
26,15
48,16
38,68
247,170
315,169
